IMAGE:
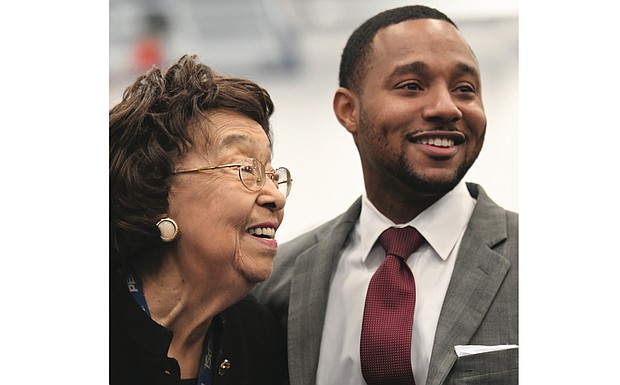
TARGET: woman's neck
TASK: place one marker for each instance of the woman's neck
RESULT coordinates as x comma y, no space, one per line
186,308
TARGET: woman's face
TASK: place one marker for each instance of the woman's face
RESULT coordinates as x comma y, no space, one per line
217,215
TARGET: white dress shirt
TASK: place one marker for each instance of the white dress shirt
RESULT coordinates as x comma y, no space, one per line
442,225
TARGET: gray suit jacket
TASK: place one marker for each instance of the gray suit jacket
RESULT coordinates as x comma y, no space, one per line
480,308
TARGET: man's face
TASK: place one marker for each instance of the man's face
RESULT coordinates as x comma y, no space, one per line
421,121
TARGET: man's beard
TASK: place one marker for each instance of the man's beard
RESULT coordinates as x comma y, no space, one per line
427,185
408,174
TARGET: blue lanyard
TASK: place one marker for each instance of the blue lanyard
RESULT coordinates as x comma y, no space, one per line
205,376
136,291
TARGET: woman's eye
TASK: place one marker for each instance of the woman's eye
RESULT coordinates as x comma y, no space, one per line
248,169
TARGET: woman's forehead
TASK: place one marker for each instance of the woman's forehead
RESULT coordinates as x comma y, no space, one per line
231,131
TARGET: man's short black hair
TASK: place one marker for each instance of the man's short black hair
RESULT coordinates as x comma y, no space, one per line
355,55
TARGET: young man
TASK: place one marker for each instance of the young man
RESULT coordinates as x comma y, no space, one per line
410,95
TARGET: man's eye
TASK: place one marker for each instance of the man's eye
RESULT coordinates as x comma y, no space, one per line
465,88
411,87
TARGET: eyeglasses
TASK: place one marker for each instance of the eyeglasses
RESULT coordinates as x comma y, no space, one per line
253,175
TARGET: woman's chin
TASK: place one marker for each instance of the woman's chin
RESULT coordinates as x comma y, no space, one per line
256,271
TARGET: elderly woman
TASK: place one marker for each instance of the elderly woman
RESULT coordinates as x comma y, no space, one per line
194,208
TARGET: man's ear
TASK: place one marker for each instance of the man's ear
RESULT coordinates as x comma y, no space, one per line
346,109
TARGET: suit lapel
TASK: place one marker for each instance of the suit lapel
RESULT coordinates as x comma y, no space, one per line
308,298
478,274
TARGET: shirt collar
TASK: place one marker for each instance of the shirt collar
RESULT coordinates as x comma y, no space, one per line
442,224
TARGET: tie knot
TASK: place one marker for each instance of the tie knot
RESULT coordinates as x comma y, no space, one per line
401,241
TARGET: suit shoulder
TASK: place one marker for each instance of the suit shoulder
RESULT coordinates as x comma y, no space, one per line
311,237
512,222
512,217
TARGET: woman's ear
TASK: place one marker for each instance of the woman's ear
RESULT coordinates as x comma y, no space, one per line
346,109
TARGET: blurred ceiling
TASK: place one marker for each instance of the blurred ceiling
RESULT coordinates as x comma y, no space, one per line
261,36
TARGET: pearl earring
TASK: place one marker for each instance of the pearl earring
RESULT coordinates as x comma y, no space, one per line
169,229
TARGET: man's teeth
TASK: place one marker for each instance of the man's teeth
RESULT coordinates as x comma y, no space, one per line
439,142
267,232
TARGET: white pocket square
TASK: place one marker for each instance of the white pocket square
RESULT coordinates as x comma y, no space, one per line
466,350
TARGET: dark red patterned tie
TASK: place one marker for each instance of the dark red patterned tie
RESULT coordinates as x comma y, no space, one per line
385,344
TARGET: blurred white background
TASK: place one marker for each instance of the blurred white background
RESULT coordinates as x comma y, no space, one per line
293,48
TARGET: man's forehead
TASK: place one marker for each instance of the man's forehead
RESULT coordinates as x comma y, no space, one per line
419,31
421,37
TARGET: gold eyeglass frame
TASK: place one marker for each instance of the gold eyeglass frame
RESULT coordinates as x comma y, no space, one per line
260,180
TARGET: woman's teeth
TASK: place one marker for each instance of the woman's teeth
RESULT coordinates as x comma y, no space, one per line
264,232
